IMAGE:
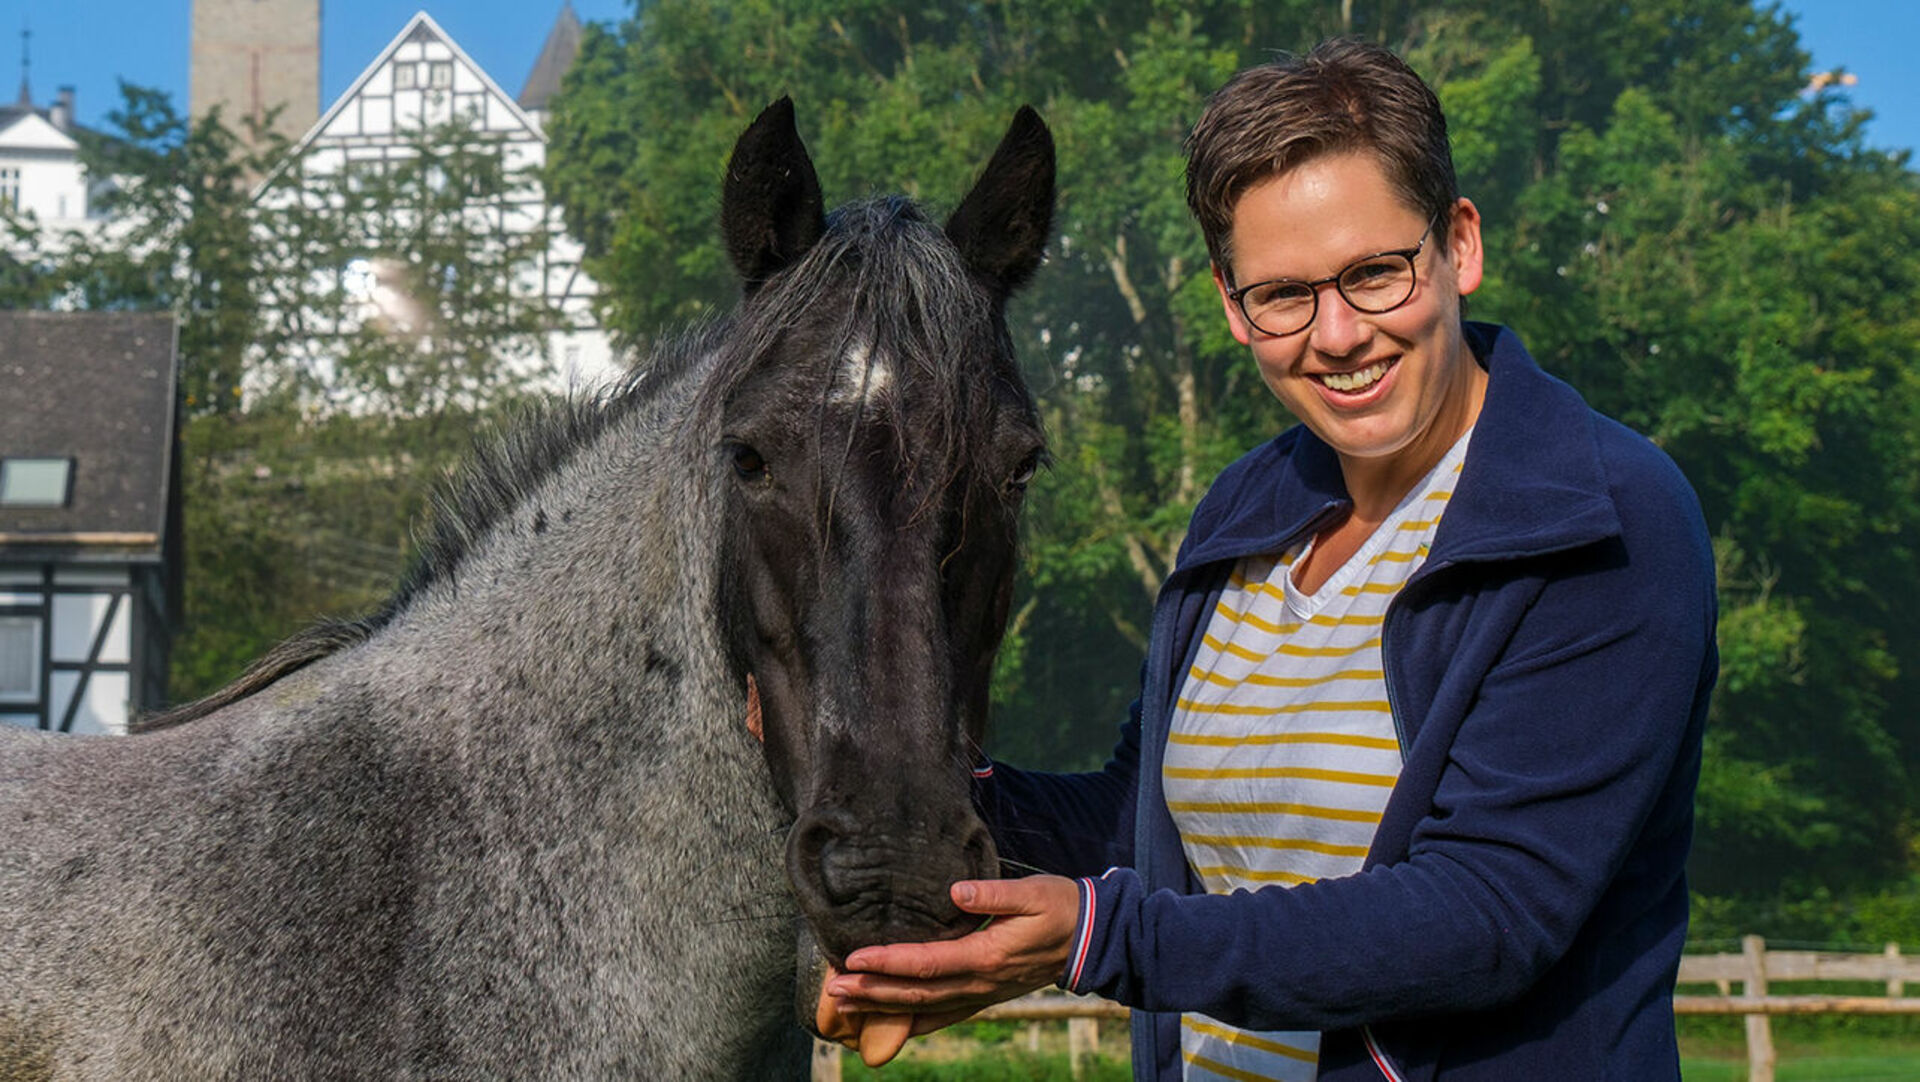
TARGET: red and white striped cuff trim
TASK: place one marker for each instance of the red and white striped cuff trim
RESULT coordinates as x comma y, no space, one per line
1083,939
984,770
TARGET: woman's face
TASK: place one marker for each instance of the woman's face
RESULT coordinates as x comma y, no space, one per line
1395,388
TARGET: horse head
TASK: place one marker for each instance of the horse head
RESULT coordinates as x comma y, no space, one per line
872,445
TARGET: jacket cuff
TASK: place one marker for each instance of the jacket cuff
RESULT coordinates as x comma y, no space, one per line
1096,913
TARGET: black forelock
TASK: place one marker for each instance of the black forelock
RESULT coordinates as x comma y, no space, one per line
885,276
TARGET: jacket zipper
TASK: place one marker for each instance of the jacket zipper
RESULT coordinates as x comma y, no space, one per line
1374,1051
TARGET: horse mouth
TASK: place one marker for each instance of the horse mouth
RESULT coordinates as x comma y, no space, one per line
862,889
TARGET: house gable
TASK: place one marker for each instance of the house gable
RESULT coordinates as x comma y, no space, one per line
29,131
421,79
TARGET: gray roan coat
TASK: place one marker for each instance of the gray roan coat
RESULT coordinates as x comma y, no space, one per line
512,825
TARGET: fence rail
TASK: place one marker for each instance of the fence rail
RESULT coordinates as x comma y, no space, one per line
1754,969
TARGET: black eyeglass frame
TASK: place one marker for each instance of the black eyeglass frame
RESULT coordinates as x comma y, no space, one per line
1239,296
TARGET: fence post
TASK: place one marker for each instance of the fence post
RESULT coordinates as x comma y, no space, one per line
826,1061
1082,1036
1760,1058
1895,986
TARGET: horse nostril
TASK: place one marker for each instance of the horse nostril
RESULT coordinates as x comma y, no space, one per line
820,859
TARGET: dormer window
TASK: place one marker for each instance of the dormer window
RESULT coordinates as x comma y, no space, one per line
36,482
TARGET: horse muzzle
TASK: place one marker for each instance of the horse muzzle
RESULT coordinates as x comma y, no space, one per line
862,881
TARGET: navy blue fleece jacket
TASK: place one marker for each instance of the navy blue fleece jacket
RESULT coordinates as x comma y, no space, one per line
1523,905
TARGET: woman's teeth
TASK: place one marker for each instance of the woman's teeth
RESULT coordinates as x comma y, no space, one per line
1357,380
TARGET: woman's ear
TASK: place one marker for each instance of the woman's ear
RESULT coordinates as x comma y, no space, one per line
1463,245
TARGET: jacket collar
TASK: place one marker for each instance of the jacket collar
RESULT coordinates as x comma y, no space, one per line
1532,483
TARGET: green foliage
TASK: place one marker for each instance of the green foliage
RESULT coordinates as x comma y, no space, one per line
180,238
291,517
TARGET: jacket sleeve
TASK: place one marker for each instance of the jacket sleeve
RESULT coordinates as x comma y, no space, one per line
1571,772
1063,824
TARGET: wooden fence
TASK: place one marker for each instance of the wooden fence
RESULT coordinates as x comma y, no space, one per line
1755,970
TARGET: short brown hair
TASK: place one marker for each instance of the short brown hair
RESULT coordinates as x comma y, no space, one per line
1344,95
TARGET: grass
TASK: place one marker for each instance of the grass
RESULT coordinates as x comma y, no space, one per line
1806,1053
998,1052
1711,1050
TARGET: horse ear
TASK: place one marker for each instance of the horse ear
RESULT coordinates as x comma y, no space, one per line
1001,226
770,207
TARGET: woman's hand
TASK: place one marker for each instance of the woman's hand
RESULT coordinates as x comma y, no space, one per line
927,986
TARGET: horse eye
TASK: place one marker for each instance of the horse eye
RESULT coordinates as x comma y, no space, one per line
1023,474
748,463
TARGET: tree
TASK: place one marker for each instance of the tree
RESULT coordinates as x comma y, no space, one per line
177,238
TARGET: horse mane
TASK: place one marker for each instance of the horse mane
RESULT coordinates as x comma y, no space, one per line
910,293
508,461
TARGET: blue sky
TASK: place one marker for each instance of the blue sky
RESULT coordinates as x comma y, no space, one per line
87,44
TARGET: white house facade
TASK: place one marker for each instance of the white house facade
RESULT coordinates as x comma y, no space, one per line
421,81
41,176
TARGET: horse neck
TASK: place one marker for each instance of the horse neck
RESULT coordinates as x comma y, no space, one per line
578,637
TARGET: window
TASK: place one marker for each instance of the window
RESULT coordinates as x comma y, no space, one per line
406,76
35,482
9,187
19,659
441,73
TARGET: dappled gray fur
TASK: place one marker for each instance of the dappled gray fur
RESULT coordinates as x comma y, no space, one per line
435,850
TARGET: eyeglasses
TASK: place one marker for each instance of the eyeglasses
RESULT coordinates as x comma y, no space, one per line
1375,284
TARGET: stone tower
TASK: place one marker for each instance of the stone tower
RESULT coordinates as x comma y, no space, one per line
251,55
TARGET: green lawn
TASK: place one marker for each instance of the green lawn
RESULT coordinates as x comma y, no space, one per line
1806,1051
1893,1067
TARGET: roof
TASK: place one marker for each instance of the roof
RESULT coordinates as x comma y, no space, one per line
421,27
29,127
556,56
96,387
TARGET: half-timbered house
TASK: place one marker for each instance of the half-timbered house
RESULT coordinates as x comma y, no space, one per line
89,517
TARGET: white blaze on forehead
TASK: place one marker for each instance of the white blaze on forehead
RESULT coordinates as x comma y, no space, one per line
863,377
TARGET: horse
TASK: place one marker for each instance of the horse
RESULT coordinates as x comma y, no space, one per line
513,823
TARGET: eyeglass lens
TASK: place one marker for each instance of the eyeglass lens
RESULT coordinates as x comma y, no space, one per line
1375,284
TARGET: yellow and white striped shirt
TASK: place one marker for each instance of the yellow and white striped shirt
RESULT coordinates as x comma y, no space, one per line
1283,753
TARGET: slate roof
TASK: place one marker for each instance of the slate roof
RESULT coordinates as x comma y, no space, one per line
556,56
97,387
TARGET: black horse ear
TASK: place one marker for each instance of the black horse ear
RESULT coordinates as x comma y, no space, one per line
770,207
1001,226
